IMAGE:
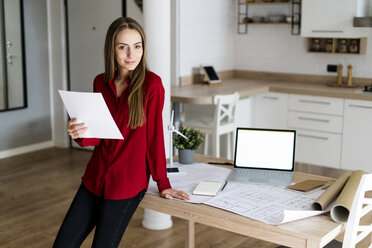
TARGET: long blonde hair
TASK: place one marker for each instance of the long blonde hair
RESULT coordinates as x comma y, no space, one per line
137,77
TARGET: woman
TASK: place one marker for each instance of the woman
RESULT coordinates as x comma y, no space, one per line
118,172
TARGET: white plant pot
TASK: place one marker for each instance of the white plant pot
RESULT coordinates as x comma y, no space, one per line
154,220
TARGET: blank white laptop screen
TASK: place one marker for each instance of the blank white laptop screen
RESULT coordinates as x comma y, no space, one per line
266,149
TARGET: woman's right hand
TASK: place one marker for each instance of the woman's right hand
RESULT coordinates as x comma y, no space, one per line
76,131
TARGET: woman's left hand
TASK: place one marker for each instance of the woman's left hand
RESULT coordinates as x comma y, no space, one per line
173,193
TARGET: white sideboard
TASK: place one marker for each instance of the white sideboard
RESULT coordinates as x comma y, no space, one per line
331,132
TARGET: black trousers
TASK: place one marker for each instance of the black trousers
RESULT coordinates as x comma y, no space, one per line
110,217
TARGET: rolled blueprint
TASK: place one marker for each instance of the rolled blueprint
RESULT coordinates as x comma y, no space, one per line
332,192
341,209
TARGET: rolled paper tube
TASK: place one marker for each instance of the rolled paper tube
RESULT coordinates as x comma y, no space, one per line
332,192
341,209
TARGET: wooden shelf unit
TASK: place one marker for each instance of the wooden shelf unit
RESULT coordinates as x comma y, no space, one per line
262,2
295,13
362,45
267,23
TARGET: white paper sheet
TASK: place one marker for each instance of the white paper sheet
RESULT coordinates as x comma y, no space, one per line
91,109
189,177
269,204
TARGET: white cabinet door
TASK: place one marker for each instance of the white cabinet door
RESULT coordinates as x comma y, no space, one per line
318,148
271,110
244,112
331,18
88,21
357,136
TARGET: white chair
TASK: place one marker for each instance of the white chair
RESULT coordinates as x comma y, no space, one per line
222,122
355,232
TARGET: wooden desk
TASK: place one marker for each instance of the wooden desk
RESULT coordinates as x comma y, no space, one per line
313,232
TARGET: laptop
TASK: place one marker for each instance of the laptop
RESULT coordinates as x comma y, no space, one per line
264,156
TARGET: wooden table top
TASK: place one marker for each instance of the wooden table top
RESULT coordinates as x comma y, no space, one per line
204,93
300,233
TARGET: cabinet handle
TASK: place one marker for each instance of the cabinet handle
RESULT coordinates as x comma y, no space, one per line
327,31
313,137
271,97
312,119
360,106
312,101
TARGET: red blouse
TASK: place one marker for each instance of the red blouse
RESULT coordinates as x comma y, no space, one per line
124,166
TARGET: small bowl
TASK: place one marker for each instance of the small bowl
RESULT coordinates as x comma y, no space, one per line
276,18
247,20
258,19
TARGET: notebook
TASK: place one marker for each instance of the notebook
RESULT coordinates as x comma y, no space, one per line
264,156
309,186
206,187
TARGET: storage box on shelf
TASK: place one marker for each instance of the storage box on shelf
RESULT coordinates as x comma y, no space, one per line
337,45
318,121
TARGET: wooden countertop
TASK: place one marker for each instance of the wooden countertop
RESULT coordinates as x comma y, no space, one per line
203,93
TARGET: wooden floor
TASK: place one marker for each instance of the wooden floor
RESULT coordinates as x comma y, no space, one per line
37,188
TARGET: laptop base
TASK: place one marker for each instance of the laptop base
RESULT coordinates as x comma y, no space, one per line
282,182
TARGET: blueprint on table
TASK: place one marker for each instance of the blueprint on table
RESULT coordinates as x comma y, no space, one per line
269,204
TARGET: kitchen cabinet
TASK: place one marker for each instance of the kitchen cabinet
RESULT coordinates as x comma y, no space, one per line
270,110
332,18
357,136
244,112
318,121
319,148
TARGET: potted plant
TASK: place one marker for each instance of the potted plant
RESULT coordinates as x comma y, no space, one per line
186,147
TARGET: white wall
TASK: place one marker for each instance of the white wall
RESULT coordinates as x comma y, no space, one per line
133,11
272,48
208,35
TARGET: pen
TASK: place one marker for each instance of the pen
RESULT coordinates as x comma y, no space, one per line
224,186
220,163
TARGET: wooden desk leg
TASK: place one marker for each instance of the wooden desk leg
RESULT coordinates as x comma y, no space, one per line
190,239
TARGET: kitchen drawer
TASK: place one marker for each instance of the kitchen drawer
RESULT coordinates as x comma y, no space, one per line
318,122
318,148
316,104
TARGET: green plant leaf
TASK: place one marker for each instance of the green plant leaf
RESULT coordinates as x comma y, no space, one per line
195,138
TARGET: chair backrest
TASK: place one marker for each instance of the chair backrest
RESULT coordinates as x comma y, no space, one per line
225,110
355,232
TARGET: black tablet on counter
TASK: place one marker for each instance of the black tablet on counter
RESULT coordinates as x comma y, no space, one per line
210,74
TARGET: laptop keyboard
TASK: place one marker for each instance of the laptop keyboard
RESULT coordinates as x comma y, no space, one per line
262,173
